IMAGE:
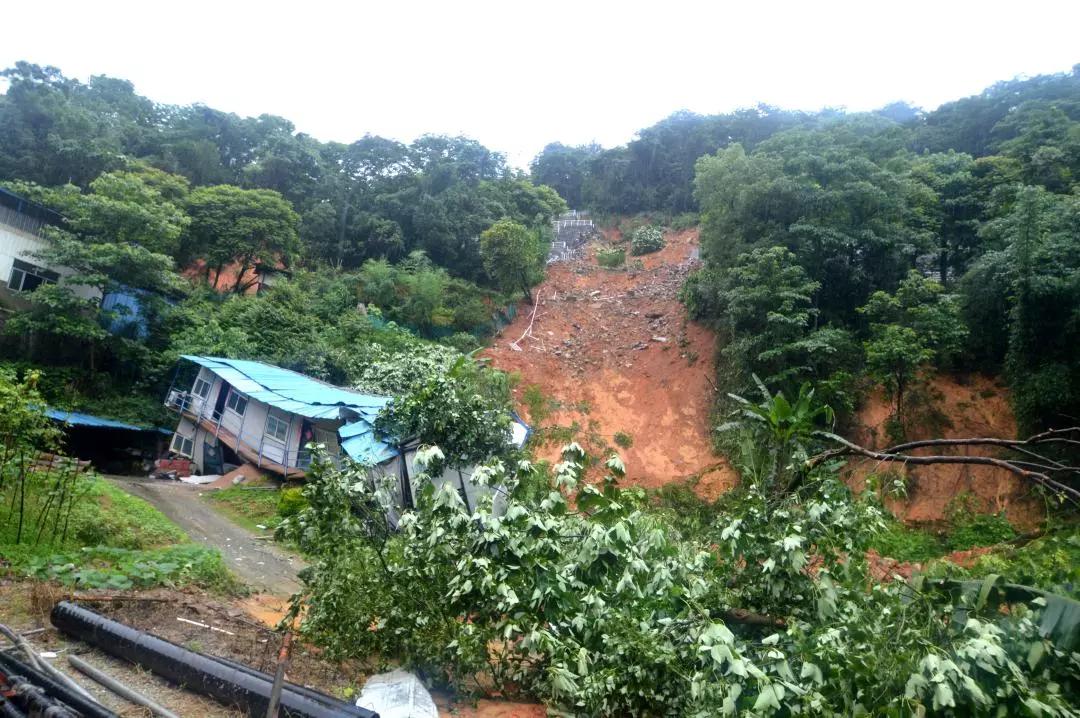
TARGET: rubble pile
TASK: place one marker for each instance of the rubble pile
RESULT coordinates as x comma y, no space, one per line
629,321
616,352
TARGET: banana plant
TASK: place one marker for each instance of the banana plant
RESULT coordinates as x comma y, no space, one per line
786,427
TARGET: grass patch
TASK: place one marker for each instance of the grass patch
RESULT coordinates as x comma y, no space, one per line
980,530
907,544
102,515
109,516
967,531
114,540
611,258
247,507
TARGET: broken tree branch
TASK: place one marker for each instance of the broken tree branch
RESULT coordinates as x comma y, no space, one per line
1038,473
1051,436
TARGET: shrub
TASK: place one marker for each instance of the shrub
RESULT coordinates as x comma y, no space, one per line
981,530
906,544
1051,562
646,240
611,258
538,406
623,440
291,502
686,220
971,529
118,568
462,342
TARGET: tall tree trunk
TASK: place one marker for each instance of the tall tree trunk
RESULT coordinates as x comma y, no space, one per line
244,266
22,499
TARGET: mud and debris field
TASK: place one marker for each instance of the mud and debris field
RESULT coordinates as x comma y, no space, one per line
616,352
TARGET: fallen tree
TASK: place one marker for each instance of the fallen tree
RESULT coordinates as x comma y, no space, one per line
585,596
1043,470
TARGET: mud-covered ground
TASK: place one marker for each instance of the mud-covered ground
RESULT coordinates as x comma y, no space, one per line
25,605
616,351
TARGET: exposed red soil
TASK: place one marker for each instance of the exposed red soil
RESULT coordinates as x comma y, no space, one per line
617,352
230,275
972,406
884,568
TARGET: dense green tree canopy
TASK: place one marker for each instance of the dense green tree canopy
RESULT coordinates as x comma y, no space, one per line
247,226
512,256
961,257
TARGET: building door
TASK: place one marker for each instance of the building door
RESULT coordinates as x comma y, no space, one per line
307,435
211,459
223,394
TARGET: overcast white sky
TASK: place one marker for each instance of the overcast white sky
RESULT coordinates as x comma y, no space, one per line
518,75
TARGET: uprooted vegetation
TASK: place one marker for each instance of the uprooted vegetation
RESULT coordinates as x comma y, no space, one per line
589,597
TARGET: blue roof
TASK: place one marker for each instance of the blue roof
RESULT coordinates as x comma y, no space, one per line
295,393
79,419
289,390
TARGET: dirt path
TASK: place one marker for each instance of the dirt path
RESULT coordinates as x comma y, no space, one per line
260,564
615,349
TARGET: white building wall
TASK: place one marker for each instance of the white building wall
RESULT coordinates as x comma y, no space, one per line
215,386
458,479
250,428
19,244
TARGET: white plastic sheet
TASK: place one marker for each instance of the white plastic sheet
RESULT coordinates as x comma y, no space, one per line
208,479
397,694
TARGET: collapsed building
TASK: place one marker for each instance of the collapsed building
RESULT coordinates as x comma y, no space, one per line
238,411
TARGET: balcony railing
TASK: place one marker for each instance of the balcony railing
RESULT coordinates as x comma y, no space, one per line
185,401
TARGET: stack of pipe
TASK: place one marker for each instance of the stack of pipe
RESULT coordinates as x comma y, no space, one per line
231,683
28,691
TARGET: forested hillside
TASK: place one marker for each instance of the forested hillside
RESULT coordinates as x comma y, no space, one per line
839,245
841,255
370,232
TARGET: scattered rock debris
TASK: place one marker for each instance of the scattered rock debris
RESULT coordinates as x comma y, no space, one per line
607,339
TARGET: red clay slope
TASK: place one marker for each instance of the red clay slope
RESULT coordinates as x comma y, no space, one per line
615,347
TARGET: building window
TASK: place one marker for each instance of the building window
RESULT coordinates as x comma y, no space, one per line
202,388
277,428
236,402
327,439
26,277
182,445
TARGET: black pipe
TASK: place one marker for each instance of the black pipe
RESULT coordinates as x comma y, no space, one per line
36,701
87,707
246,689
9,709
302,690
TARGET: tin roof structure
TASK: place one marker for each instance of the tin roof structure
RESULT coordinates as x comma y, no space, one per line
296,393
77,418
